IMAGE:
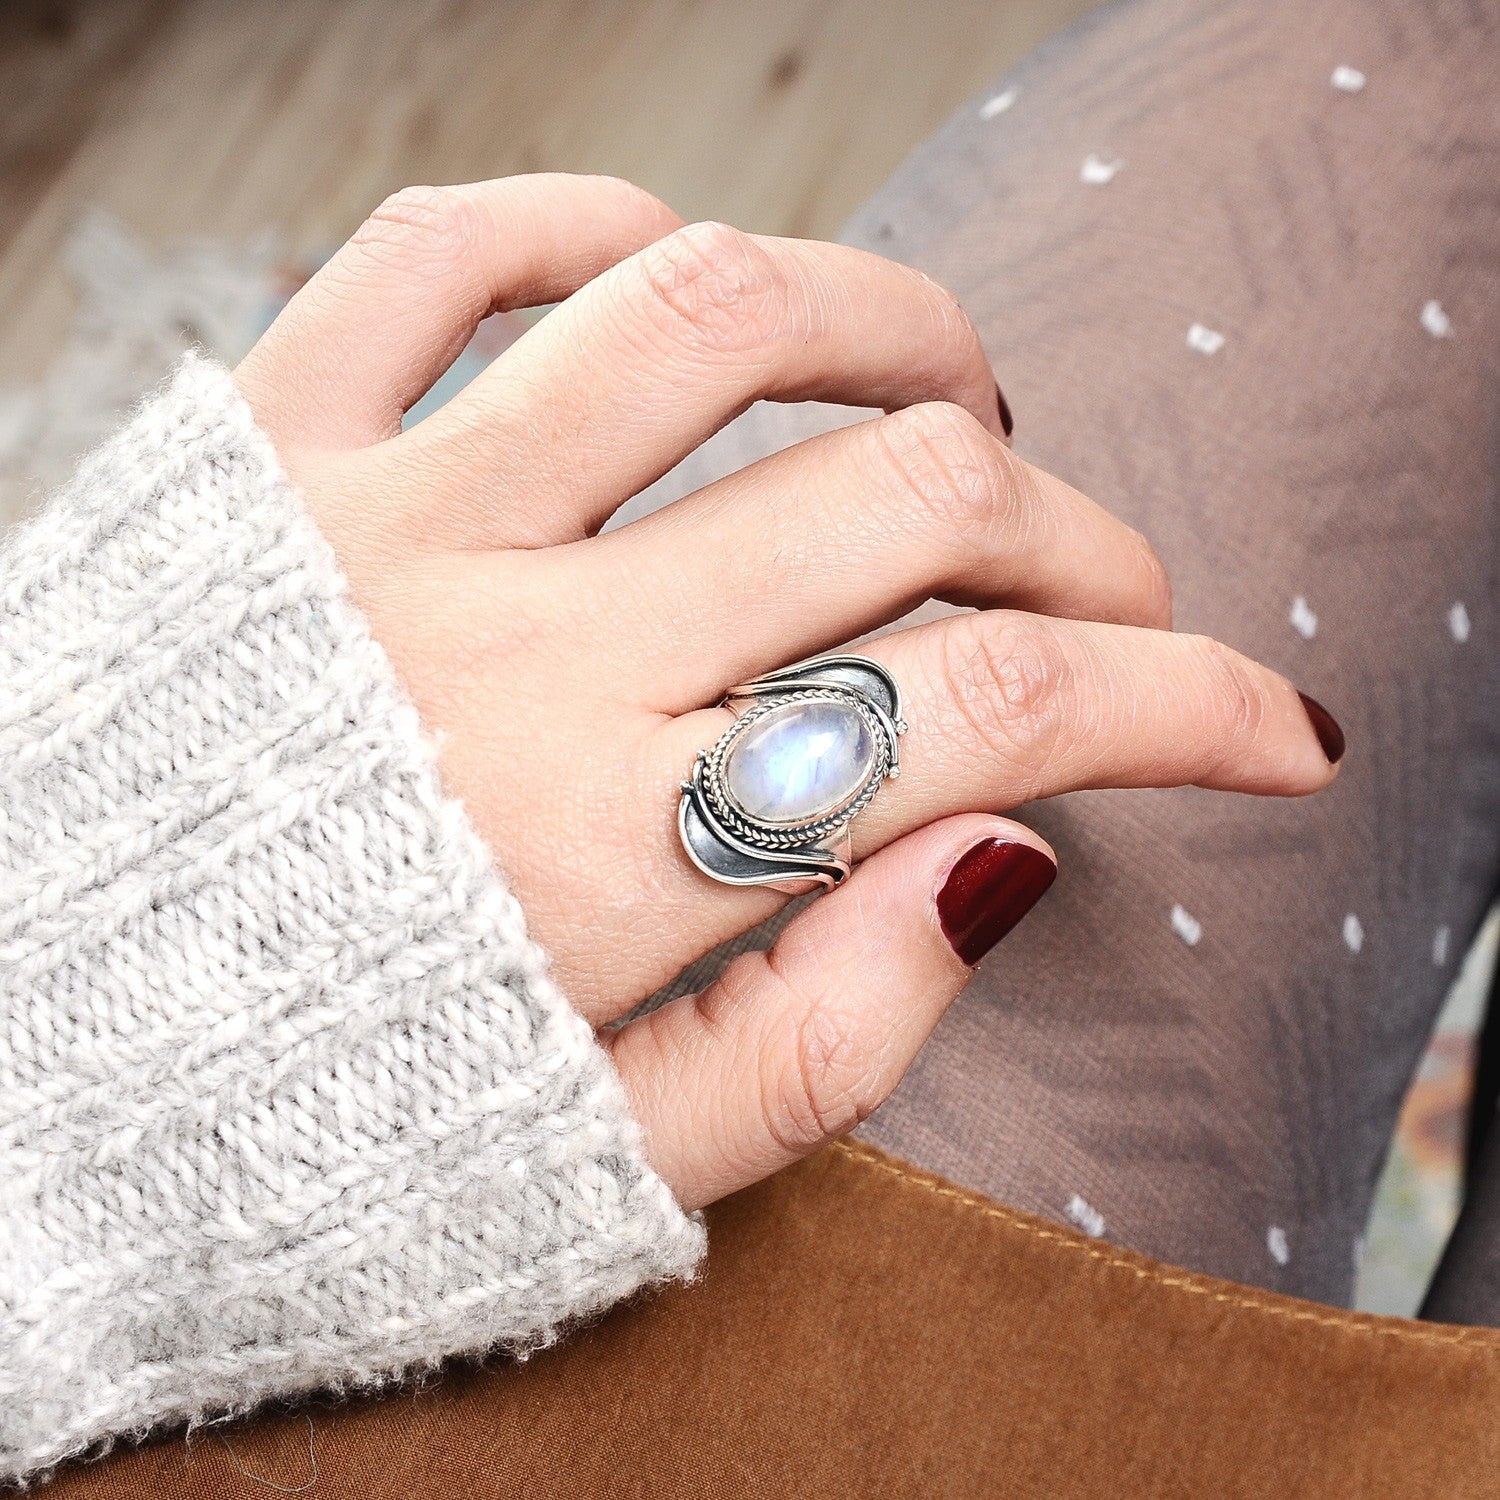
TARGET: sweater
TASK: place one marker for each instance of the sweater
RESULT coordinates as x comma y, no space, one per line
288,1100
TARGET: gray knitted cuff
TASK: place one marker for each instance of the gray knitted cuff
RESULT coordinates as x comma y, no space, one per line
287,1099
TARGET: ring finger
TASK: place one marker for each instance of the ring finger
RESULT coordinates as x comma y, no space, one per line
632,373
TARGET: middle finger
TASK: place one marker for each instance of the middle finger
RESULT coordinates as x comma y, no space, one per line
827,540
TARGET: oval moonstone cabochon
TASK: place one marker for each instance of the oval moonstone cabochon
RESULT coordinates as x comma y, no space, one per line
800,762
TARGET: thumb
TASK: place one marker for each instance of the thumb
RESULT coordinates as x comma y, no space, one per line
791,1048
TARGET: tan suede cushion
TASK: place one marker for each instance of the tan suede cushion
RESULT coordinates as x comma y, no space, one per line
865,1329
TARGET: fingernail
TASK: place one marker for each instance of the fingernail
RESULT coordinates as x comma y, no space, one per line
1326,727
1004,405
988,891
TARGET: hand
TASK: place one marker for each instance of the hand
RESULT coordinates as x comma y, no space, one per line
571,677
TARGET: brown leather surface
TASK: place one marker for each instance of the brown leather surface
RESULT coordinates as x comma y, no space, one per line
865,1329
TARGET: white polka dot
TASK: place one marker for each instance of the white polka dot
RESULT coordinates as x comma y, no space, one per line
1096,172
1350,80
1357,1255
1459,622
997,104
1304,621
1085,1216
1186,926
1277,1245
1440,940
1354,934
1435,320
1204,340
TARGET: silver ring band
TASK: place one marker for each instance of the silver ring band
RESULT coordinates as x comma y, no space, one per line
772,801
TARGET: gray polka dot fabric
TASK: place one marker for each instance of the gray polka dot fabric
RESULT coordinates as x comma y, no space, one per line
1238,270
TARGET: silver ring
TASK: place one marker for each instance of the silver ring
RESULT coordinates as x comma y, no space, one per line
772,801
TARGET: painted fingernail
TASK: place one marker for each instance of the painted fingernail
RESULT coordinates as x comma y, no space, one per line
1326,727
988,891
1004,405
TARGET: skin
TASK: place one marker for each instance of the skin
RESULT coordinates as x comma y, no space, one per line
569,678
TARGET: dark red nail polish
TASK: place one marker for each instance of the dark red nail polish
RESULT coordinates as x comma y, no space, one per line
1326,727
988,891
1004,405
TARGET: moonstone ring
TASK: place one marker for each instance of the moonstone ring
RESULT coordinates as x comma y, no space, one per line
771,803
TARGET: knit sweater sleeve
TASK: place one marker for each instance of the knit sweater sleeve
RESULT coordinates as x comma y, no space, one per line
287,1097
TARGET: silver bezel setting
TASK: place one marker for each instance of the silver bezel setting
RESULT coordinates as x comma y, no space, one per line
731,846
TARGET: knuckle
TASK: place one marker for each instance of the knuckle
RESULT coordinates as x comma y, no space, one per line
829,1087
423,226
949,472
1004,675
716,286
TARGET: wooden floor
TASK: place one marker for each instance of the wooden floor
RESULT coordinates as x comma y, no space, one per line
223,117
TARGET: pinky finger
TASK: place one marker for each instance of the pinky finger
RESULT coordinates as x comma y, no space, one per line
791,1048
368,336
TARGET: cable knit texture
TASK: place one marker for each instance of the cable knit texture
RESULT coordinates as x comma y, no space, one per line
287,1098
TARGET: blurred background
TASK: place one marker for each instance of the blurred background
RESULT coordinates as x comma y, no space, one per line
221,117
171,170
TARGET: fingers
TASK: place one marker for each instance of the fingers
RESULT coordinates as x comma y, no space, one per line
367,337
827,540
614,387
789,1049
1005,708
